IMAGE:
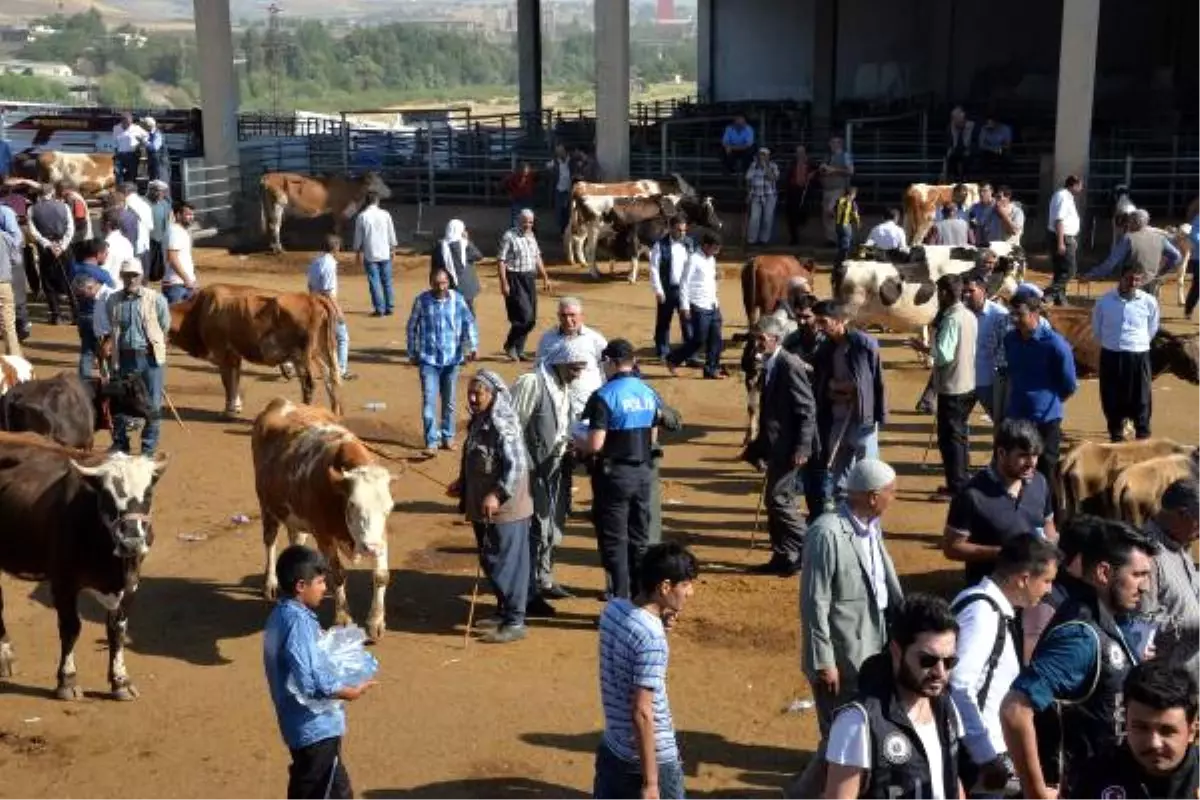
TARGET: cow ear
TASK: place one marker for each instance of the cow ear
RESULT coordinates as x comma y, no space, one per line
337,479
161,460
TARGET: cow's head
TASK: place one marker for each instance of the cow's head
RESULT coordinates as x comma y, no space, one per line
368,505
1178,355
124,395
124,488
373,182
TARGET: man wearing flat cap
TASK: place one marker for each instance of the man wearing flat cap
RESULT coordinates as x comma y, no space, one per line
847,584
786,440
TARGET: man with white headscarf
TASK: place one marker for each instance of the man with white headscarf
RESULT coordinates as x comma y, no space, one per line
571,327
542,401
458,255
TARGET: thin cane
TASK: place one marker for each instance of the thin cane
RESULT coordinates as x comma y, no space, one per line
762,496
471,612
929,444
174,411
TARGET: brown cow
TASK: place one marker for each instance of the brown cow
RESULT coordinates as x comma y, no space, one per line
1087,472
591,201
79,521
769,279
91,173
226,324
923,200
1138,490
295,195
1170,353
314,476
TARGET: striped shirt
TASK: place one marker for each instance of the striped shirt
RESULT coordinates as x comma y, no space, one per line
633,655
846,211
519,252
762,179
1173,601
441,331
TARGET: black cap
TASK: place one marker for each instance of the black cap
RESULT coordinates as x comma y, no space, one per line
618,350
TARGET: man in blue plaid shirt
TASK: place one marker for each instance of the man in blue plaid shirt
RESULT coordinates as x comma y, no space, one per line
441,336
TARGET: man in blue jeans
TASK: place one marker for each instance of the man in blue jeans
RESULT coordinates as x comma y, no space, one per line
137,319
374,241
441,336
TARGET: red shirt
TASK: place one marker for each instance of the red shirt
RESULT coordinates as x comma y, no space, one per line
519,186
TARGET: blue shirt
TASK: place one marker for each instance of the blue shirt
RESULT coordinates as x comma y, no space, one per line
992,316
155,141
441,332
290,650
997,137
10,227
88,306
1041,374
5,159
738,137
1064,661
633,655
625,408
1125,325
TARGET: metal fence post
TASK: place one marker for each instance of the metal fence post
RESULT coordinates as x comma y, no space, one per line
1128,170
184,175
662,145
345,145
1174,172
432,185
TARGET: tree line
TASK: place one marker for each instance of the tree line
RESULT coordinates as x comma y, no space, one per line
306,65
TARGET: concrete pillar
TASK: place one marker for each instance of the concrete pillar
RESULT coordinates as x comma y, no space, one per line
529,59
218,81
939,20
706,49
612,88
1076,89
824,69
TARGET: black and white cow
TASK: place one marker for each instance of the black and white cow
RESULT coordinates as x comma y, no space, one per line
79,521
634,235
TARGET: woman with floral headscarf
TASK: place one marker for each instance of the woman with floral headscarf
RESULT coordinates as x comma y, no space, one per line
493,491
456,254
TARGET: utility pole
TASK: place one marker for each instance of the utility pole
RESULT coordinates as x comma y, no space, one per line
274,47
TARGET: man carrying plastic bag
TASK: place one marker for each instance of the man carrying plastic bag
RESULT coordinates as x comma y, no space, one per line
308,674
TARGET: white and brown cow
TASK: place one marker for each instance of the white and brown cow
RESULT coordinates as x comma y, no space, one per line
289,194
91,173
922,201
13,370
591,201
314,476
79,521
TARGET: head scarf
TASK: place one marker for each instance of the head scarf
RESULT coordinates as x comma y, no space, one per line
454,235
570,350
502,413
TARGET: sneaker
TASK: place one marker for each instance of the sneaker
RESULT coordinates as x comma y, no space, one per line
538,608
557,591
349,376
489,623
505,634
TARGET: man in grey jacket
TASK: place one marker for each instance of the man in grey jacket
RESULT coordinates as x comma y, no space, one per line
847,583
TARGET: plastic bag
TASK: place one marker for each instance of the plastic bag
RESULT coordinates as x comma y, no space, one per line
344,649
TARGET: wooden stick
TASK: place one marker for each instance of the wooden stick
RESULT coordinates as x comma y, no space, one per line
762,497
929,444
471,612
175,411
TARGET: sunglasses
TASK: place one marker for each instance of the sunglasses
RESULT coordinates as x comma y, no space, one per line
929,661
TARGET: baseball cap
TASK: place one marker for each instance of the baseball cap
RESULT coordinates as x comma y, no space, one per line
618,350
131,267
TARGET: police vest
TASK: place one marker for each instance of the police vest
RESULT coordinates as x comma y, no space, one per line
899,764
632,410
1094,721
665,256
1117,776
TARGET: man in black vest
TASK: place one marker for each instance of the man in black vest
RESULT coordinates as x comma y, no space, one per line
900,738
1073,682
667,259
1159,756
52,228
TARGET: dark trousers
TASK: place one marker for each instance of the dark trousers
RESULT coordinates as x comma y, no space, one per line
795,208
704,332
54,282
952,413
785,525
504,551
738,161
1125,392
521,305
621,515
318,771
845,240
668,308
616,779
1193,294
125,165
89,347
1051,433
1063,266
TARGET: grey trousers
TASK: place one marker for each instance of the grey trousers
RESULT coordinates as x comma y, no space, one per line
551,498
504,556
654,532
811,782
785,524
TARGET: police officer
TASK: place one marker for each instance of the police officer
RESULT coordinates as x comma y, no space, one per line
622,416
1159,756
900,737
1072,684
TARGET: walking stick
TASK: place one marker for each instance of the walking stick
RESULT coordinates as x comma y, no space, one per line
762,496
174,411
471,612
929,444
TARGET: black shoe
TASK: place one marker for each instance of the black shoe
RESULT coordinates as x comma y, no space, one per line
772,567
557,591
376,313
505,634
789,568
538,608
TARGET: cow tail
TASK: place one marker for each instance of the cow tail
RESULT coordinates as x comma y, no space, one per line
264,196
749,292
329,340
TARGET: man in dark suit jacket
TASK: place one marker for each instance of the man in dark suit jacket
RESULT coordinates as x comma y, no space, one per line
786,439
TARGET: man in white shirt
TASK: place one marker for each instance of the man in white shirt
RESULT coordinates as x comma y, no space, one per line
570,326
179,276
120,249
127,138
145,217
560,167
900,737
701,310
888,235
1063,224
667,260
1124,321
323,280
374,241
990,644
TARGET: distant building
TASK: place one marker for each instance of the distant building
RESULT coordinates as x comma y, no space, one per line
39,69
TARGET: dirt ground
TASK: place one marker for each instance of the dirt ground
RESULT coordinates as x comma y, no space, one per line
446,721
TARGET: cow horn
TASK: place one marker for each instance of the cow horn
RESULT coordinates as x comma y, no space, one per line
87,472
